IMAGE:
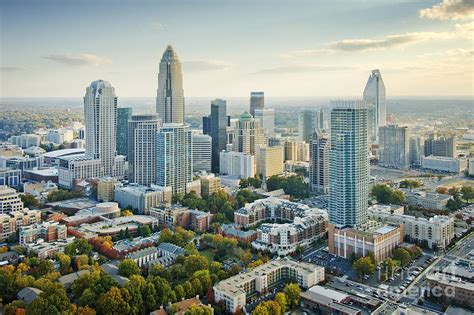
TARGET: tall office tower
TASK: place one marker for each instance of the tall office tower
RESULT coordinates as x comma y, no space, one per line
142,148
249,135
202,153
123,116
174,157
374,98
269,161
206,125
440,146
348,164
257,101
416,150
319,163
296,150
307,124
218,130
321,119
170,95
266,116
100,116
394,146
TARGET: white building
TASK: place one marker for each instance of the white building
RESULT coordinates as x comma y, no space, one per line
426,200
10,201
394,147
266,116
249,136
59,136
444,164
233,291
170,94
174,157
142,198
237,164
270,161
142,140
25,141
471,166
202,153
437,231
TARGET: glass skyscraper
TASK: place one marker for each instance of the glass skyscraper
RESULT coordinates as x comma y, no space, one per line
348,164
123,116
257,101
170,94
374,98
218,130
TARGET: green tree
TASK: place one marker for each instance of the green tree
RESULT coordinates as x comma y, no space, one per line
113,303
398,197
29,201
364,266
280,298
402,255
194,263
64,263
199,310
79,246
128,267
390,265
292,292
45,266
467,193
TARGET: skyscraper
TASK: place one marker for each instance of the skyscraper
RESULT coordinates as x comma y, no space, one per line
257,100
100,120
416,150
218,130
170,95
319,163
202,153
174,157
307,124
249,135
266,116
123,116
440,146
374,98
394,149
348,164
142,148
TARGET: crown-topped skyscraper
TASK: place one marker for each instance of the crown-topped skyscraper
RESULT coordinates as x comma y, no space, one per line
170,94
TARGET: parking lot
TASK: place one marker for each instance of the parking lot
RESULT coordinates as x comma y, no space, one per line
337,265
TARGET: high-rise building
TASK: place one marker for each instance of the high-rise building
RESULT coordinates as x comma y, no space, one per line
374,98
202,153
257,100
174,157
319,163
440,146
269,161
206,125
394,146
296,150
307,124
170,95
321,119
123,116
142,148
100,116
218,130
249,135
348,164
266,116
237,164
416,150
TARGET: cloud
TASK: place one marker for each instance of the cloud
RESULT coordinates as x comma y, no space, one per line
386,42
205,65
10,68
78,59
302,68
450,10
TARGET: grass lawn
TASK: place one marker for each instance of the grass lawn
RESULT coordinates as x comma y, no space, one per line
208,253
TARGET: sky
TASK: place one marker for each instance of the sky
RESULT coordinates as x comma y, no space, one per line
55,48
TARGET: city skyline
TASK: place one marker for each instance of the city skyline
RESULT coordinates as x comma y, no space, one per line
316,55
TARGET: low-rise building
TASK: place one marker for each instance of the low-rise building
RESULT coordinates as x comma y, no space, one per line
437,232
232,231
209,184
284,239
375,237
323,300
177,215
112,227
144,256
426,200
49,174
451,288
444,164
10,177
9,200
48,231
46,250
142,198
235,291
107,210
